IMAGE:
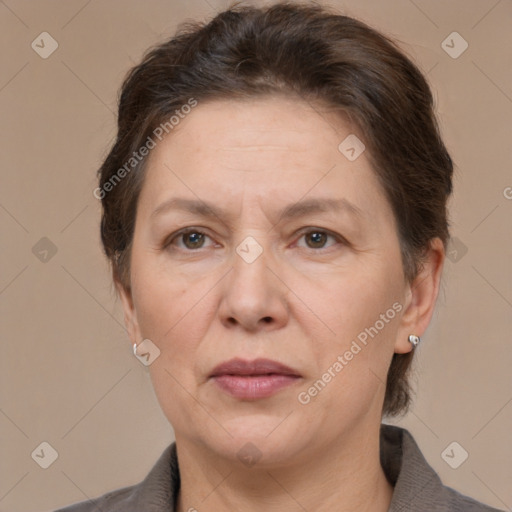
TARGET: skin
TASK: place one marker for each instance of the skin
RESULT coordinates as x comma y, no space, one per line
299,303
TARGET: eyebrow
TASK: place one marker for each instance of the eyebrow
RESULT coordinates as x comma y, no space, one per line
298,209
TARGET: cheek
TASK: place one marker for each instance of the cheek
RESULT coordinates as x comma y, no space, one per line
355,299
361,309
163,297
351,371
174,315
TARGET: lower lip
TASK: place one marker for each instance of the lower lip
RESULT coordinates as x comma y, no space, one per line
254,386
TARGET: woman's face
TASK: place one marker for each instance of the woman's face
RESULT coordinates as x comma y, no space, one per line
290,255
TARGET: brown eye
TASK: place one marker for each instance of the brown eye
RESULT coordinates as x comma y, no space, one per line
189,240
193,240
316,239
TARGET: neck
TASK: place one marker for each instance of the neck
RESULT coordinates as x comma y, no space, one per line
346,477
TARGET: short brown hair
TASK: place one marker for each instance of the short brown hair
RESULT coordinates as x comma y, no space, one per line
323,57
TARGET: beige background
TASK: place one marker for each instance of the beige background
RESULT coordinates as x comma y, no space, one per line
68,376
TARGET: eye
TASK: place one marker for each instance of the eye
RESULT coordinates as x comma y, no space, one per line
318,239
189,239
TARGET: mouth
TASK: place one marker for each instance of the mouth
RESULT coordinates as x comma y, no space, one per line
252,380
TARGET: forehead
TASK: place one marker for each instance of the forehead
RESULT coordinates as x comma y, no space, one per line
276,126
267,148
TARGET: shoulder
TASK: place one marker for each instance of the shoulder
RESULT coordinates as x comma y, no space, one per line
416,485
461,503
114,501
157,492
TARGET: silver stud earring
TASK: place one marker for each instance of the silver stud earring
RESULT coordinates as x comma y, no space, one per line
414,340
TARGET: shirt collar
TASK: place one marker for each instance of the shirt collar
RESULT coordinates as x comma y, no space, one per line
415,482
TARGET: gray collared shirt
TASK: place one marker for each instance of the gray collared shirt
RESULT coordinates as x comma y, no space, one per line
417,486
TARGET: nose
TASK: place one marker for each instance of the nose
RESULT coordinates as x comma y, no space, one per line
254,298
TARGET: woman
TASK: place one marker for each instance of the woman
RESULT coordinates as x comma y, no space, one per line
274,209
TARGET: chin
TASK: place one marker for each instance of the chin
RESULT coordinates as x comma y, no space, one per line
261,439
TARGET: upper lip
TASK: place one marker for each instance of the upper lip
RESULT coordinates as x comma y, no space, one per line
239,366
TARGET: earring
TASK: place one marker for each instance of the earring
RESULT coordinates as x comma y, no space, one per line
135,349
414,340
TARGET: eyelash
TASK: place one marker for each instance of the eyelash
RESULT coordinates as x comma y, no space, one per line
186,231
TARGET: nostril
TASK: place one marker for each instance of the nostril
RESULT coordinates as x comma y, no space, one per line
234,322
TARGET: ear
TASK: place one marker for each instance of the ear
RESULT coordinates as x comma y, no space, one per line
420,298
130,315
